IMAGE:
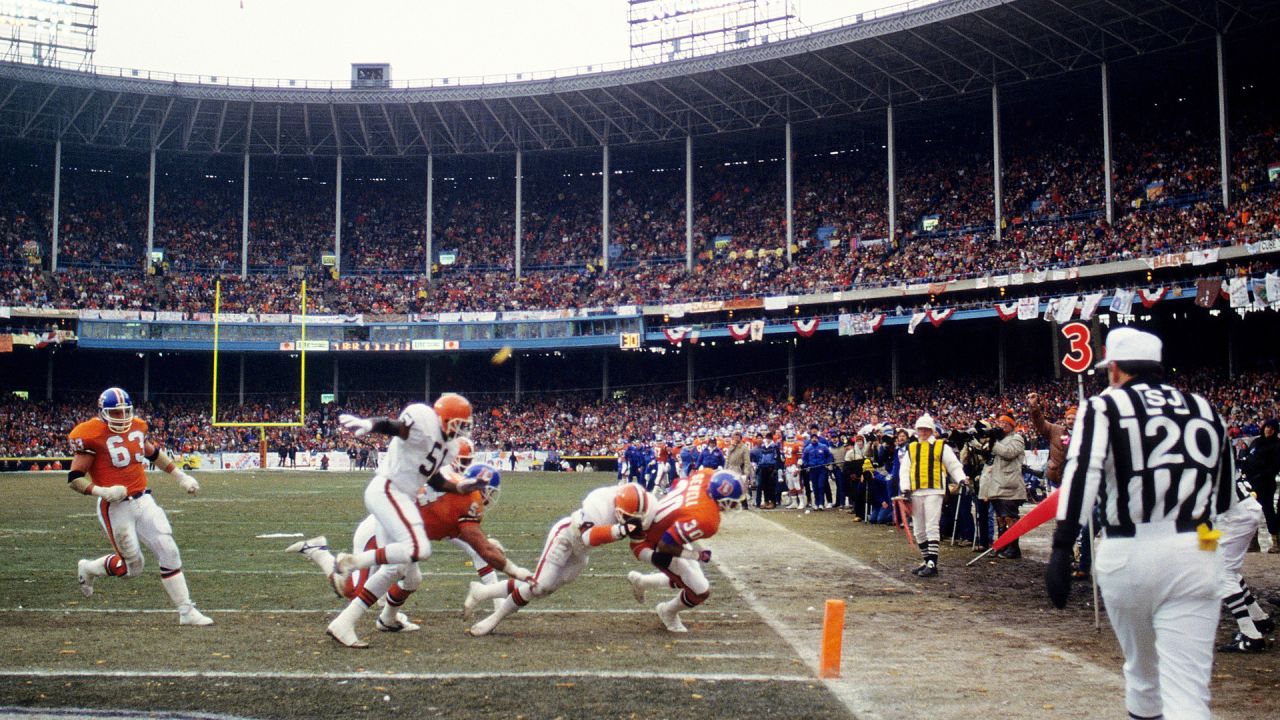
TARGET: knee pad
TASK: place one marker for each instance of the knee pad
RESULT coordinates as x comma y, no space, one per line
411,578
133,565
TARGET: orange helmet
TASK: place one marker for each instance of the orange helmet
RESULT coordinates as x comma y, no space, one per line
454,412
466,451
631,501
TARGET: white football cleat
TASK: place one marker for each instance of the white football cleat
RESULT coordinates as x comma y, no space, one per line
84,578
345,635
485,626
306,547
401,624
670,617
637,585
470,601
194,617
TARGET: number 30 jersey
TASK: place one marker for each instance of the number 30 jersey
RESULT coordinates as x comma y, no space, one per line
686,513
413,460
117,457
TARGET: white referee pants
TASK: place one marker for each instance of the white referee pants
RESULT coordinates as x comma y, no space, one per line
1161,593
1238,527
926,517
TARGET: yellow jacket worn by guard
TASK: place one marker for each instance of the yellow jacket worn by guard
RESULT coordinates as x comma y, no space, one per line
921,474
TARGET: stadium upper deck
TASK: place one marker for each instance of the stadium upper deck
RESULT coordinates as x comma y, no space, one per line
933,52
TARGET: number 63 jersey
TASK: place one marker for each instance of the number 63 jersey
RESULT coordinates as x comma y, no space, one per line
118,458
687,513
412,461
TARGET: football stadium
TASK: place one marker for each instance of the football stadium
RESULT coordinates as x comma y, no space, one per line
914,361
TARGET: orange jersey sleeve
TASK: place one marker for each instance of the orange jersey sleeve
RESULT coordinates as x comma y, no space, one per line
444,516
118,458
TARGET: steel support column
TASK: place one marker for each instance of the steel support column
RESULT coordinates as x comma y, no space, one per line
519,228
146,377
689,374
518,385
1001,362
1222,125
996,182
688,215
427,259
335,377
791,371
893,177
151,211
244,223
893,366
426,379
1054,351
241,393
48,378
1106,145
57,202
604,210
337,219
791,219
604,376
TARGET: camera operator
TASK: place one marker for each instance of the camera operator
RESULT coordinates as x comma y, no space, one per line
974,456
1001,482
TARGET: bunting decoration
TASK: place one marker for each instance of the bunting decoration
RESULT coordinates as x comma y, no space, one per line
916,319
1151,297
937,317
1007,311
806,327
740,331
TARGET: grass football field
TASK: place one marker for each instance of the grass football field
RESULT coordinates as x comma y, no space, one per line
588,651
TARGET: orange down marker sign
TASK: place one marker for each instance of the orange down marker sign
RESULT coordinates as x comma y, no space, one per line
832,639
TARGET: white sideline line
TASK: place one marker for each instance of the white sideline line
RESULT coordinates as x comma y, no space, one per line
316,573
379,677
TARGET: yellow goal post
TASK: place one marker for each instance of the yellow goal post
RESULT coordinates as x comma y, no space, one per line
302,375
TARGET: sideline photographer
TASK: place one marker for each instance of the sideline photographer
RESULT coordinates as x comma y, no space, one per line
1001,481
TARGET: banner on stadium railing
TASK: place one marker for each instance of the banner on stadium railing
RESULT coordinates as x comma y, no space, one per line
170,316
275,318
427,344
4,313
327,319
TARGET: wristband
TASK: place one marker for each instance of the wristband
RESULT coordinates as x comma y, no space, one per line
75,475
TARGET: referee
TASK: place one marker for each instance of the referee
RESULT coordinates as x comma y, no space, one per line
1159,463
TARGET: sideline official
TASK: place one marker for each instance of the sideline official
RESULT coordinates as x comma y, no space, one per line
1159,463
920,479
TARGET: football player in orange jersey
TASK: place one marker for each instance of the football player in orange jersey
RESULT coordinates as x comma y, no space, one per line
690,512
791,450
450,517
109,454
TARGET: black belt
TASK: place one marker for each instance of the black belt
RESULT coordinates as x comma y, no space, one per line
137,495
1128,531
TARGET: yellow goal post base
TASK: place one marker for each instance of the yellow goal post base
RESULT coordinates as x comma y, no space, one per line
302,375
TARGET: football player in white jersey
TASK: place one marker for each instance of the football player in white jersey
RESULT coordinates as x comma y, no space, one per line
419,456
607,514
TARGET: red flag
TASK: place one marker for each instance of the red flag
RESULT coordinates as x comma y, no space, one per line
1039,515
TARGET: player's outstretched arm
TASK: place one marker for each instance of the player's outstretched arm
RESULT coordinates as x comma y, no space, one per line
448,480
489,551
360,427
78,479
668,549
161,459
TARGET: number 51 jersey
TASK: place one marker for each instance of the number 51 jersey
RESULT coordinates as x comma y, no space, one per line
412,460
687,513
117,457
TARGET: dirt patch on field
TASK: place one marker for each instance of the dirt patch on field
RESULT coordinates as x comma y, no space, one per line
972,641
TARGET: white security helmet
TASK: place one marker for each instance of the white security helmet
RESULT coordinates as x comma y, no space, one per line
926,423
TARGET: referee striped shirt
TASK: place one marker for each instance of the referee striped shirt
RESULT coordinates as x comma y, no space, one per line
1148,453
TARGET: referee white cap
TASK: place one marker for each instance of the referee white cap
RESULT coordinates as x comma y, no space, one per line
1126,344
925,422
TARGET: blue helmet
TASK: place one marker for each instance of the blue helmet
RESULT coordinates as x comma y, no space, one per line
488,475
726,489
116,409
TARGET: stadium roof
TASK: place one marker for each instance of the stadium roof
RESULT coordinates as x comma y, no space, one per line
934,52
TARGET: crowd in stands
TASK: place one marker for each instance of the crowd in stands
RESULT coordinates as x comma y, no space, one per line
1166,200
583,424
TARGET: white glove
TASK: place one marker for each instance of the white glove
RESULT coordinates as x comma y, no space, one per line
358,426
110,493
186,482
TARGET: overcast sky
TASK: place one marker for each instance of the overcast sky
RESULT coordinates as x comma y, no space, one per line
319,39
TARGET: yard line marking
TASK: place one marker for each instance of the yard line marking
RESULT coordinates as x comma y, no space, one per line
314,572
733,656
82,713
724,641
380,677
699,615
